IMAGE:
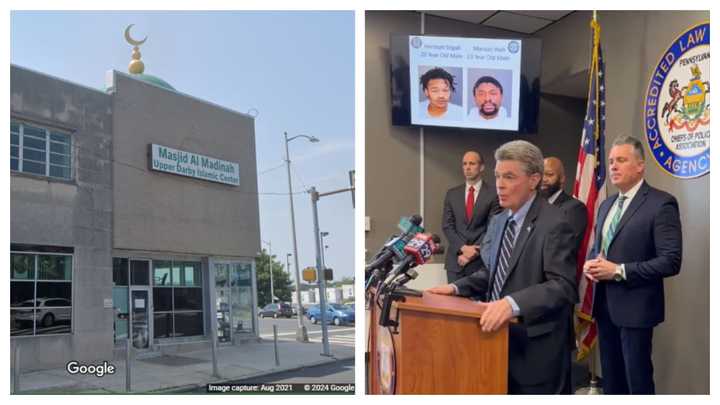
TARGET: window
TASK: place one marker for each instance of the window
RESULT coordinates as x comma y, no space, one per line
40,151
177,299
40,294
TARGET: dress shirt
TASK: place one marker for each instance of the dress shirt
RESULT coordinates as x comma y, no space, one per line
628,199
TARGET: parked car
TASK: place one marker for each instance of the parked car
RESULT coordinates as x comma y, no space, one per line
295,310
276,311
45,315
336,313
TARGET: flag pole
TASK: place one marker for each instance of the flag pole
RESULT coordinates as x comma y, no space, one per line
594,389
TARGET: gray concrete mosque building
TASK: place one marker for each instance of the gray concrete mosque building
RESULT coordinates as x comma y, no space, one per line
136,203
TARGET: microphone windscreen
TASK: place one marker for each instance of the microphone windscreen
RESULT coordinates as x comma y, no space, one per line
416,220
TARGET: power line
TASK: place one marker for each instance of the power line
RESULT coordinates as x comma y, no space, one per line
271,169
77,149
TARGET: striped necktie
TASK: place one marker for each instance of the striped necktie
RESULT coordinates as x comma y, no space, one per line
503,265
607,239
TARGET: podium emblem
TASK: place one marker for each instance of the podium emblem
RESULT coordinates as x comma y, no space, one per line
386,361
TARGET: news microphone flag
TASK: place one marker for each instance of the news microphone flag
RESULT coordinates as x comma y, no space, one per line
590,189
409,226
422,247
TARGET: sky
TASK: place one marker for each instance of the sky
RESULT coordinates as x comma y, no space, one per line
295,70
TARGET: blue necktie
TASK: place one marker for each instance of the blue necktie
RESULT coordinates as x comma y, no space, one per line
503,265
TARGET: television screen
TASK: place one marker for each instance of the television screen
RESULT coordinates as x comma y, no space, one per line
478,83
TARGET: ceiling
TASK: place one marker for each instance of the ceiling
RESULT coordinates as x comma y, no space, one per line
524,22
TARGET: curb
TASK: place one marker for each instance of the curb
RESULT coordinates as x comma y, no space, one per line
192,387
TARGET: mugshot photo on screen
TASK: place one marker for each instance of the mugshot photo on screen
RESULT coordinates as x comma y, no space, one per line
489,96
440,95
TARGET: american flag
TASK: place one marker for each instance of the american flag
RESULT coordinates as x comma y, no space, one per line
590,189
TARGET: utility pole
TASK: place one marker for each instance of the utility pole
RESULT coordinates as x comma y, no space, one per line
272,290
314,197
287,263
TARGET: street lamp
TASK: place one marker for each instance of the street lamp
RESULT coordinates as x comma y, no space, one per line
301,334
272,291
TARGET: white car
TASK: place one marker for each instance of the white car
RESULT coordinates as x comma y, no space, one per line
45,315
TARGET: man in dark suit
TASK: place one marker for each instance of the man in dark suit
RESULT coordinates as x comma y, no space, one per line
638,242
552,188
466,212
530,275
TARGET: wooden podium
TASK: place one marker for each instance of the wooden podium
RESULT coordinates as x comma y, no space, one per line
438,347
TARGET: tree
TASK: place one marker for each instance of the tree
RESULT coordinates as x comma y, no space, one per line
345,280
281,281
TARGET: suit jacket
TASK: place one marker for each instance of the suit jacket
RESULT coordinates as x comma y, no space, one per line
648,240
459,231
575,213
542,282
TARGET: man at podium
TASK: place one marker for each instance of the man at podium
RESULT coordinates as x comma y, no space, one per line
529,275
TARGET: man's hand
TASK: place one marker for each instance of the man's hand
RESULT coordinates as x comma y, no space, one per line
600,269
470,251
495,315
446,289
586,269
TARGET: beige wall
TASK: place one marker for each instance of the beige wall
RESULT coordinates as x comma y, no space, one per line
163,212
633,43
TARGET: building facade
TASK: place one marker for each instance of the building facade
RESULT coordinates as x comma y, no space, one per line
138,194
348,292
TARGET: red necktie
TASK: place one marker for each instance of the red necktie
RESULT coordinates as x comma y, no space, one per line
469,203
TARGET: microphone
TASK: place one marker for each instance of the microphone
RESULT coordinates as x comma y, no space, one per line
394,247
411,274
417,251
422,247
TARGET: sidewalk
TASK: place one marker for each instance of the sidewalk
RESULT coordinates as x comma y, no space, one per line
172,373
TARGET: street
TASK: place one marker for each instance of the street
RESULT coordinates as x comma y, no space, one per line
336,372
343,335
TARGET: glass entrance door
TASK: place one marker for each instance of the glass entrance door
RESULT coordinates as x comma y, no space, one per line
233,300
140,324
222,303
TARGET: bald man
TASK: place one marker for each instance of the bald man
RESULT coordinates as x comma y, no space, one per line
551,188
466,213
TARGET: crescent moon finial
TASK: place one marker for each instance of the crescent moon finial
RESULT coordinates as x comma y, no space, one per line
136,65
130,40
